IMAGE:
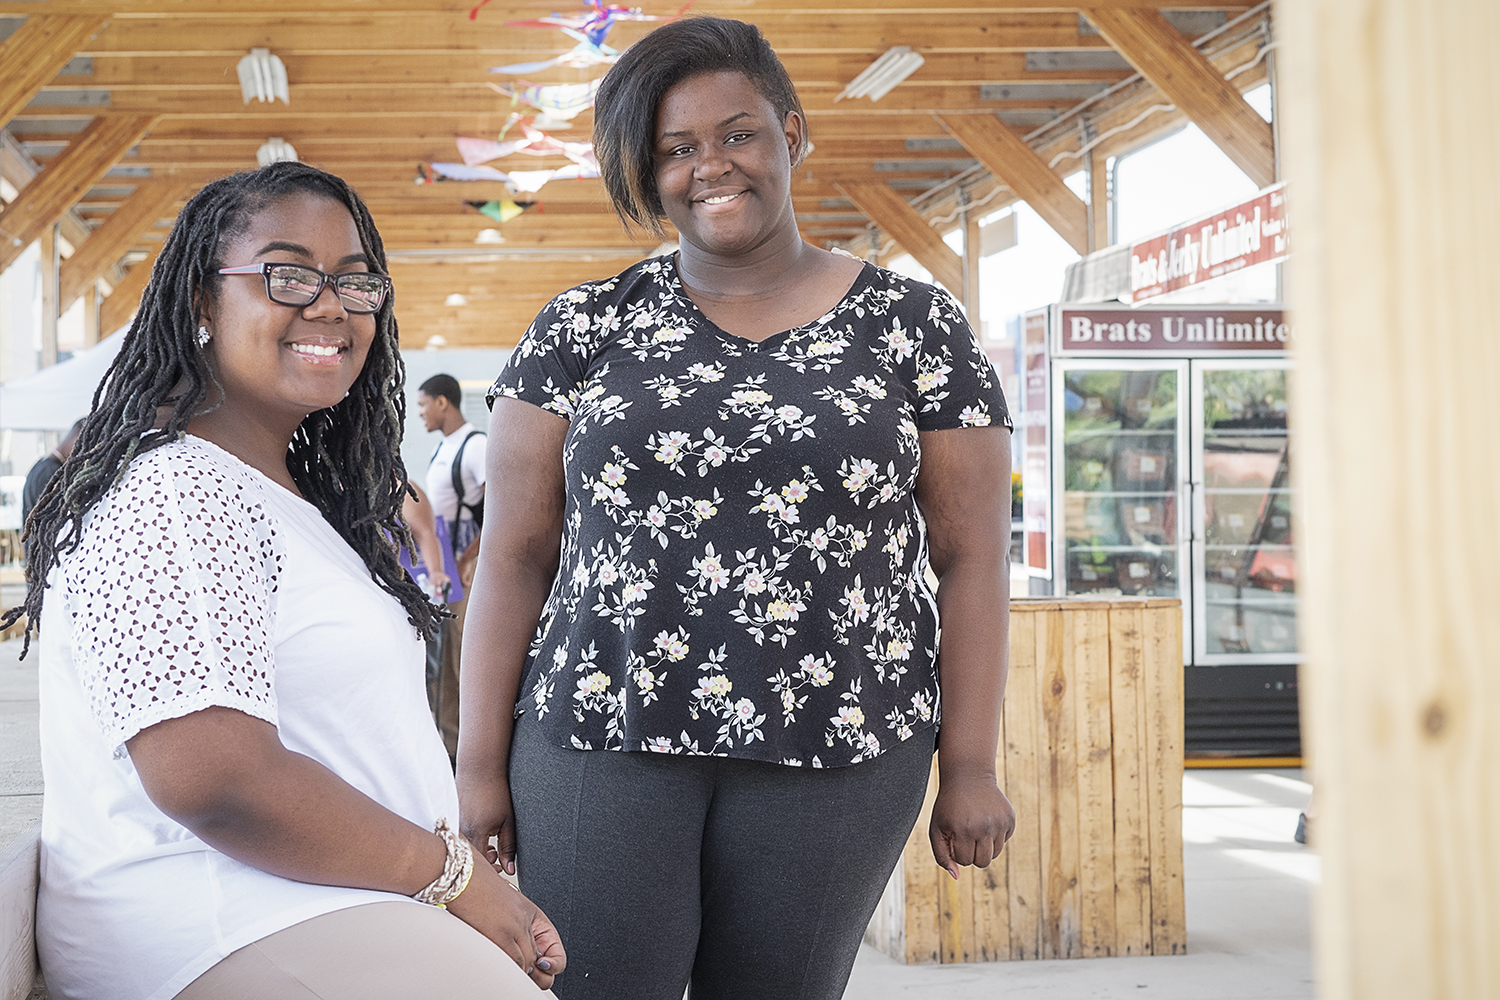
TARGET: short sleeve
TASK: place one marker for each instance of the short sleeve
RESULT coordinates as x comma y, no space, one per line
171,596
549,365
957,386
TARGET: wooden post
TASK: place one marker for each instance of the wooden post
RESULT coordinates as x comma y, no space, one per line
971,262
1402,682
91,316
50,262
1099,198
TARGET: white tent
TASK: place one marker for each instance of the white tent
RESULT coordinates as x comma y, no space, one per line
51,399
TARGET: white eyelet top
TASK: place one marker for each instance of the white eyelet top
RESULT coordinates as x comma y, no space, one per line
198,582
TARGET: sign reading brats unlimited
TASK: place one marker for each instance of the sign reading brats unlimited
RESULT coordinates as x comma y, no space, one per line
1254,232
1112,331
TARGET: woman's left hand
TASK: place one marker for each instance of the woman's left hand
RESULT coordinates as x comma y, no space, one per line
971,821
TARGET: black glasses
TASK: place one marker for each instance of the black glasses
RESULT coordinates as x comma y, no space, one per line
296,285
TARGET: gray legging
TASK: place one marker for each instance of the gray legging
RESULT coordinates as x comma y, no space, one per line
746,879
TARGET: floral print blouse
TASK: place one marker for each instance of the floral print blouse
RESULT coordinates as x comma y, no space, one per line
743,565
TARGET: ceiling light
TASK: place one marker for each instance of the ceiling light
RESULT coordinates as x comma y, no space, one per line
456,299
489,236
263,77
435,341
884,73
275,150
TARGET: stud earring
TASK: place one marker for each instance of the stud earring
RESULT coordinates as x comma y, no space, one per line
204,336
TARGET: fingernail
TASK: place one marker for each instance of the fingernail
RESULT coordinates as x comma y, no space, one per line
544,965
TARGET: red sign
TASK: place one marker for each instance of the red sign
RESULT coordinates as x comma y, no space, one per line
1036,469
1252,233
1185,330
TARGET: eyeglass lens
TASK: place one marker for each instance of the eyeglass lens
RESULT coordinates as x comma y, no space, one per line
297,286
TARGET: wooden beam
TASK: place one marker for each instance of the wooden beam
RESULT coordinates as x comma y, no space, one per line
496,12
120,231
50,311
1008,157
891,212
1189,80
40,47
1394,295
58,188
122,303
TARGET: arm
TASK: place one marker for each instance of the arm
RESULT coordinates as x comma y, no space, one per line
416,511
475,462
227,777
959,491
520,541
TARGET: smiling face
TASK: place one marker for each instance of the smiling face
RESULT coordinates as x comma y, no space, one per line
281,361
724,163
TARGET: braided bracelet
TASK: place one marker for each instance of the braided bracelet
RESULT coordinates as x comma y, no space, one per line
458,868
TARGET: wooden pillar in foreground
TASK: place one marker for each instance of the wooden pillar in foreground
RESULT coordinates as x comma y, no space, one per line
1398,461
50,263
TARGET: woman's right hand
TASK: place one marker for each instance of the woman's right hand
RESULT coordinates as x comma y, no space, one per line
503,914
485,811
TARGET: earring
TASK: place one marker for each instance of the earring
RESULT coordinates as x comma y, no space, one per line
204,336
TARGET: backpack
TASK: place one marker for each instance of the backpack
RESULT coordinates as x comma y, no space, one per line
476,510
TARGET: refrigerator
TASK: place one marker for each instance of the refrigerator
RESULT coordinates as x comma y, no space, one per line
1157,462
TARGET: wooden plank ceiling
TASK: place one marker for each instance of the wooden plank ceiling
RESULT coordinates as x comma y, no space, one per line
378,87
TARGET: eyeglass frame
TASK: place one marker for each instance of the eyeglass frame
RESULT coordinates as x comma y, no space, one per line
324,280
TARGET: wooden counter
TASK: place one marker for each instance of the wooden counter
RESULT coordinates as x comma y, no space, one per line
1091,757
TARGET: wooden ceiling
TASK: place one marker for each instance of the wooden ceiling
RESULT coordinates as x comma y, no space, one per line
129,106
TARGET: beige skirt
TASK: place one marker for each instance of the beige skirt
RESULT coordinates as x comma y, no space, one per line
379,951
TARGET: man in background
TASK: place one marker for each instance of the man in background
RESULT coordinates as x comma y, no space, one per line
40,476
455,486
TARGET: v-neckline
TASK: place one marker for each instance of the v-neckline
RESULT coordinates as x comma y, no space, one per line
860,282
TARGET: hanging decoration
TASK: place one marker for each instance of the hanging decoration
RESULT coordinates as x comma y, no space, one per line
581,56
559,102
501,210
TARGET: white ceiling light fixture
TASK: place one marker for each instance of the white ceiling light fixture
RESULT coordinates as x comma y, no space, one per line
883,74
263,77
456,299
489,237
275,150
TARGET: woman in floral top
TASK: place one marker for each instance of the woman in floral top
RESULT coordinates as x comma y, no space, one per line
721,477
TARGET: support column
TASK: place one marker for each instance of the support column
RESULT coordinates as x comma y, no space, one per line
51,263
91,299
1392,284
972,251
1100,196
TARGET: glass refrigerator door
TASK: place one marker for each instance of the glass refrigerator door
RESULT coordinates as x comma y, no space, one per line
1244,560
1120,478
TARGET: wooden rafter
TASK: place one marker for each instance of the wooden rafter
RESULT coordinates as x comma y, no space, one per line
891,212
117,234
58,188
1008,157
33,55
1185,75
115,311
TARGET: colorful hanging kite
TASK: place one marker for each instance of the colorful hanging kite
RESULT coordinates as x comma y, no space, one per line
501,210
593,21
558,101
581,56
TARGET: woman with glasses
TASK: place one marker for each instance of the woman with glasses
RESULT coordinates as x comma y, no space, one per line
701,664
246,796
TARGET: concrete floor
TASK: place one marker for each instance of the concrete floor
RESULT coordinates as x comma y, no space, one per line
1248,887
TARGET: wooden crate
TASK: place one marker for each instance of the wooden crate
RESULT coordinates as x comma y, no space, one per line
1091,757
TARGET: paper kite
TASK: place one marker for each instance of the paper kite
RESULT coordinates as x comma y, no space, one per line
535,143
594,21
501,210
558,101
527,181
581,56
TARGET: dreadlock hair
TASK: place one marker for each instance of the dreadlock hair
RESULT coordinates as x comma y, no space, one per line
632,91
345,459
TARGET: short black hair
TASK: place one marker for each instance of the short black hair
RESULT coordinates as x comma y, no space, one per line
625,107
445,386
